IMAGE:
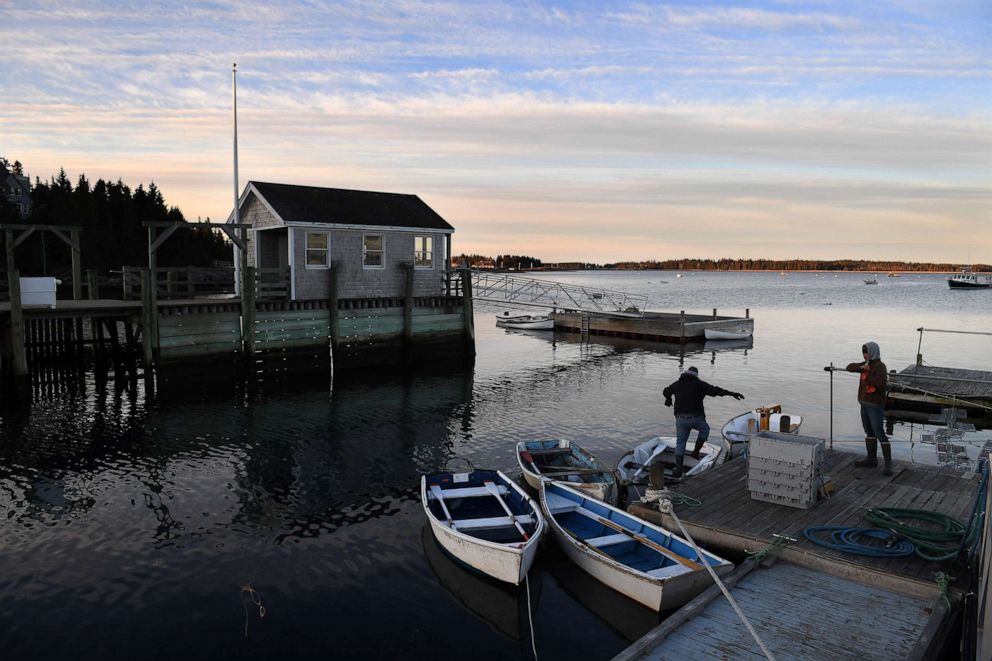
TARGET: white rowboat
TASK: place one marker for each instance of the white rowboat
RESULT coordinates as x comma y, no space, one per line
739,430
485,520
635,466
638,559
566,461
714,334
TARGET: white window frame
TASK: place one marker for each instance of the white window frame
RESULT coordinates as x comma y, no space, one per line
429,251
306,249
382,252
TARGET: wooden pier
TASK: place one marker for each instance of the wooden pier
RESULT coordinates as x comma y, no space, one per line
919,391
658,326
730,521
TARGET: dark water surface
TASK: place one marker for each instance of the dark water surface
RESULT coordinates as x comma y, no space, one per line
130,526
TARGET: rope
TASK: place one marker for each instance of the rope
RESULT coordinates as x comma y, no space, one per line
943,585
683,499
845,540
530,618
780,541
666,507
934,545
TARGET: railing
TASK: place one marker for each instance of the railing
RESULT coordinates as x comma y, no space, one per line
272,283
180,282
523,291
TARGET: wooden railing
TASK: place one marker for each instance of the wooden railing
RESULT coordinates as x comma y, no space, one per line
180,282
272,283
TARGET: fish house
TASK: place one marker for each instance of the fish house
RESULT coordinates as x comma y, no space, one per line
370,238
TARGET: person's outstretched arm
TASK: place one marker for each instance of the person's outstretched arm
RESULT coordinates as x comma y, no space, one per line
716,391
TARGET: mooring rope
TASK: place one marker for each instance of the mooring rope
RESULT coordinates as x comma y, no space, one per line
665,505
530,618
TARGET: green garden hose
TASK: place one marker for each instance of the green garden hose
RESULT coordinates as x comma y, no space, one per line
942,542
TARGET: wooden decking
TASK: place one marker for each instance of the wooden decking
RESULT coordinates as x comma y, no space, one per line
731,521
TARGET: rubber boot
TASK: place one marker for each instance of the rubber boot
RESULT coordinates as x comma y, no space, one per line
698,447
887,456
677,471
870,461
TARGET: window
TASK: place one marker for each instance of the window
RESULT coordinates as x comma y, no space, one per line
318,255
372,251
423,252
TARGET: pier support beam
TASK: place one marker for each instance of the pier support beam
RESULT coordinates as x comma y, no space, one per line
408,305
18,356
468,309
248,310
332,305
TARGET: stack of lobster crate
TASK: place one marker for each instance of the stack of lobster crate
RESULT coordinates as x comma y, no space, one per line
785,468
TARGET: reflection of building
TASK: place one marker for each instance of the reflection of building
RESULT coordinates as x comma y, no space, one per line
17,189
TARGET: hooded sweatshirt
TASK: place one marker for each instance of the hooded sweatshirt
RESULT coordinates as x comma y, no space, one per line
874,376
689,392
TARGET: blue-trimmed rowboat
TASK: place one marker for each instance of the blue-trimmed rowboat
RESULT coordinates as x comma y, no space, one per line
485,520
645,562
566,461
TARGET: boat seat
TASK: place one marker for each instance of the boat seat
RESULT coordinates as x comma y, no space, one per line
672,570
472,492
549,452
608,540
559,504
491,522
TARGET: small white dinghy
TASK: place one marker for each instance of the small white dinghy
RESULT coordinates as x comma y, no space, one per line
739,430
525,321
566,461
715,334
638,559
485,520
635,466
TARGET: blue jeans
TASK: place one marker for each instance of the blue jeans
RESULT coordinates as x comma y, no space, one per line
873,420
685,424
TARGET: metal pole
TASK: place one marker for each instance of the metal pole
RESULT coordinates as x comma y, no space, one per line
238,258
831,405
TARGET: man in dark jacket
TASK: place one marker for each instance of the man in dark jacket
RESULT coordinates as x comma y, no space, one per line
871,396
689,392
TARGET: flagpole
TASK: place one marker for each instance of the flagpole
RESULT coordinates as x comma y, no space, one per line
237,211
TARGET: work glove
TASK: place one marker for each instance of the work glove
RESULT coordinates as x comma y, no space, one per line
668,402
737,395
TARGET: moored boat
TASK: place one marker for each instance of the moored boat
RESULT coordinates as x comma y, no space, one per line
525,321
739,430
716,334
638,559
634,467
871,281
967,279
566,461
485,520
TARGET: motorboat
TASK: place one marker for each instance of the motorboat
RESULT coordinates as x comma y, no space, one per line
634,467
566,461
485,520
636,558
871,281
717,334
525,321
968,279
739,430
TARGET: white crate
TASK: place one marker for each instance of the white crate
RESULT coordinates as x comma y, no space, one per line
38,291
802,503
793,448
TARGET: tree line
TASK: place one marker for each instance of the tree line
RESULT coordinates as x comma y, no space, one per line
110,216
687,264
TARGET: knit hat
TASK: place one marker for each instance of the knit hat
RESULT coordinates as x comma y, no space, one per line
693,371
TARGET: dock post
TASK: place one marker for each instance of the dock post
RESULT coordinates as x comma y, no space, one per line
714,313
19,359
468,309
77,267
747,313
147,313
92,289
248,311
682,327
332,304
831,406
408,305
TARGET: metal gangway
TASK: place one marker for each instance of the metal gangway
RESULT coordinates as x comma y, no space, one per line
519,290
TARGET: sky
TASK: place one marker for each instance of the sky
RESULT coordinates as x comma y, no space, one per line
595,131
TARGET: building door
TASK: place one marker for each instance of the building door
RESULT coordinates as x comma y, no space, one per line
283,251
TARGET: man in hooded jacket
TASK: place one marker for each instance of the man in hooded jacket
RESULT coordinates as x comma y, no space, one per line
689,392
871,396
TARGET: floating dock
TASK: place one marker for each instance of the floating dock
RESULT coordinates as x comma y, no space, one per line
659,326
821,589
919,391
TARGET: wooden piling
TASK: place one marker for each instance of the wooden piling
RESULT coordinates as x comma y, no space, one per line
19,361
77,267
468,309
408,305
147,315
332,305
248,311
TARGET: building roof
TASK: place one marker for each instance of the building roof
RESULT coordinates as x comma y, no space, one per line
311,204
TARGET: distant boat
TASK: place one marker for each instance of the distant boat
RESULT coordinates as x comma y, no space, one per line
967,279
567,462
871,281
893,274
485,520
678,275
634,557
715,334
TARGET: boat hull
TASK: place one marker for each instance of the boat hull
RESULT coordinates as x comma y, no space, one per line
655,592
738,430
660,448
604,490
963,284
715,334
507,562
531,324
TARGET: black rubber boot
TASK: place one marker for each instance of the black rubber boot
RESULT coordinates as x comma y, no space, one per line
677,471
870,461
887,456
698,447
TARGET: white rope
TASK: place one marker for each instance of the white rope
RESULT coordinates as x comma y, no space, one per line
666,508
530,619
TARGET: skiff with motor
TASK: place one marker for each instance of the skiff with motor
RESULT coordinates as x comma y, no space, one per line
967,279
567,462
485,520
715,334
635,466
739,430
638,559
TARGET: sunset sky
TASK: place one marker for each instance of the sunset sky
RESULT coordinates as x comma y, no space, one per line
598,131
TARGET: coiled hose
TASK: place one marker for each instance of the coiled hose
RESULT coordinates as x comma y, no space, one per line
846,539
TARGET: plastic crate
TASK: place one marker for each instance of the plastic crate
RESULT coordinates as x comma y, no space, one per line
802,503
792,448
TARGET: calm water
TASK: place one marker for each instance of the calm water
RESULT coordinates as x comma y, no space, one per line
129,525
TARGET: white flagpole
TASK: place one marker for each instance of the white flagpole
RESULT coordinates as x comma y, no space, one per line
237,211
